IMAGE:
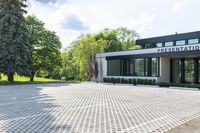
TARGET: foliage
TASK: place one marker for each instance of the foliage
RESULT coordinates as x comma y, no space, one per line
15,51
80,58
163,84
25,80
46,48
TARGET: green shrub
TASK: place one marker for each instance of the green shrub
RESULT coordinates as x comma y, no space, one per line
117,80
122,80
163,84
139,81
108,80
154,82
63,78
145,81
134,82
150,82
130,81
112,80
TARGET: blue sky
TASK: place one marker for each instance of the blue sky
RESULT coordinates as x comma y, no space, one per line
71,18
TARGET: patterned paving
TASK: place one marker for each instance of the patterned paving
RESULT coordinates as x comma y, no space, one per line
94,108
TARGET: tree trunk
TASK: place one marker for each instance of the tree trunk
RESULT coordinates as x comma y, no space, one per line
10,77
32,76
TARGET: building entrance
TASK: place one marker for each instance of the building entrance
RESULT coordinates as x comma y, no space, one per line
185,70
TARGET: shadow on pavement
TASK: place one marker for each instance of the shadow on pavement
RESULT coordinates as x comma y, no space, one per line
25,108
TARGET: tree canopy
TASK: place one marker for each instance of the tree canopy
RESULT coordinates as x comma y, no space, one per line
15,51
79,58
46,46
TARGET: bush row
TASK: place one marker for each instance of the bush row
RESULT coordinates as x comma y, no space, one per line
130,81
148,82
165,84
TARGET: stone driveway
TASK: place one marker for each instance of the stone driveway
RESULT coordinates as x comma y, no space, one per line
94,108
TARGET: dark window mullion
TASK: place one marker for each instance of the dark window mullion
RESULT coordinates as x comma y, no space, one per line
196,70
183,70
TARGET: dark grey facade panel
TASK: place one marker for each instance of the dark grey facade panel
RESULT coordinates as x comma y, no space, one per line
175,37
170,54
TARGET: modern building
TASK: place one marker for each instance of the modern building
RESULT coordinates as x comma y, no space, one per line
171,58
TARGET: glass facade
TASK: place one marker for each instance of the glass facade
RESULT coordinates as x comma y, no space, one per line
154,67
181,42
199,70
189,71
139,67
171,43
158,45
168,44
193,41
185,70
134,67
176,68
114,68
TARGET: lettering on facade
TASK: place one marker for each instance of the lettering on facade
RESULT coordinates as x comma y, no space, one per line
178,49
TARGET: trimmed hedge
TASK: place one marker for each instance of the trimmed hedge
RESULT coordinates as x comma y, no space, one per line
163,84
135,81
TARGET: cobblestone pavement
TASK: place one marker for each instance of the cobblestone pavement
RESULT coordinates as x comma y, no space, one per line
94,108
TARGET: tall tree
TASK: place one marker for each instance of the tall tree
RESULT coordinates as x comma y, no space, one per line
110,36
46,46
15,51
127,38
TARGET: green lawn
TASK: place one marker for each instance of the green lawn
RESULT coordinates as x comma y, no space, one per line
37,80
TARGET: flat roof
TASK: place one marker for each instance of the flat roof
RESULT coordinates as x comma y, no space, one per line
167,38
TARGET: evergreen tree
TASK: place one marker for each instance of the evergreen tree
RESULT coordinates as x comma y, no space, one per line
15,51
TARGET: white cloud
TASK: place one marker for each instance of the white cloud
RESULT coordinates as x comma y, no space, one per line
70,18
143,22
64,19
181,5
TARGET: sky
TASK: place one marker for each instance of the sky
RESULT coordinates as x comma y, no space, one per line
150,18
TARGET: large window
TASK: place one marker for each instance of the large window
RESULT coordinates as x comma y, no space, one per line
199,70
189,70
139,67
193,41
176,67
158,45
134,67
113,67
154,67
181,42
168,44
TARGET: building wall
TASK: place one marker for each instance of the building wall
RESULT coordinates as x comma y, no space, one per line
102,67
164,71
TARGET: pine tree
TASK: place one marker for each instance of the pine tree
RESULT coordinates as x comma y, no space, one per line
15,51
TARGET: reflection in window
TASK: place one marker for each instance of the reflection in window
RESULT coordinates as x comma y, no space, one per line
114,68
193,41
132,63
154,67
181,42
158,45
189,70
176,71
146,66
139,67
149,46
168,44
199,70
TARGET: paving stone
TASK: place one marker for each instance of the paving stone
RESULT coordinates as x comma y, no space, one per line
94,108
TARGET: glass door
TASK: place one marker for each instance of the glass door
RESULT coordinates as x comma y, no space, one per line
199,71
176,68
189,70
